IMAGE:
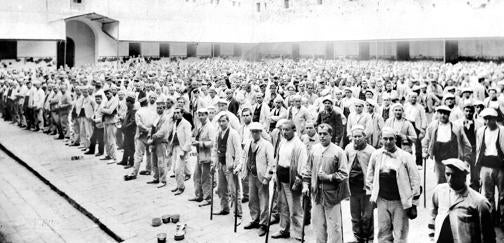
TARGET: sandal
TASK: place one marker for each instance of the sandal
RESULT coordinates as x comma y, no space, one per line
180,232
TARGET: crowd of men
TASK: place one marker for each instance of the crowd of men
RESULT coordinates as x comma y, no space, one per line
321,131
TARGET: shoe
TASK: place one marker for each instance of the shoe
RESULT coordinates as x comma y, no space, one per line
106,158
59,138
83,149
196,199
129,177
163,184
274,220
174,190
122,163
281,235
262,231
205,203
245,200
222,213
144,172
74,144
36,129
172,176
178,192
252,225
187,177
98,154
419,167
127,167
153,182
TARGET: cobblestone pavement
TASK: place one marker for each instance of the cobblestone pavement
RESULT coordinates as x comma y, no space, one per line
127,208
31,212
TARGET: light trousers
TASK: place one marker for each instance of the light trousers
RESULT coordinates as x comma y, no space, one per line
393,223
258,200
291,211
327,223
110,140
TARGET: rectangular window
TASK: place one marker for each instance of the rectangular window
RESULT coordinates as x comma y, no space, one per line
8,50
134,49
164,50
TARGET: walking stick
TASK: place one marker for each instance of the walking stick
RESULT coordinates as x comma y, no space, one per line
211,193
269,215
236,205
305,205
424,179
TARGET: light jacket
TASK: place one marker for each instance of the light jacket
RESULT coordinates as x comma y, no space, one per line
363,156
233,149
264,114
162,129
332,160
479,141
298,161
109,111
464,147
206,142
89,105
377,124
265,163
408,179
184,134
469,213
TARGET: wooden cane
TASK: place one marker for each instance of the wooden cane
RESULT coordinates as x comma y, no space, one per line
269,215
305,205
236,205
211,194
424,180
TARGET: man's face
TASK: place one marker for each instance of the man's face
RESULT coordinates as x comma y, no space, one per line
129,105
121,96
327,105
259,99
211,114
177,114
450,102
358,138
444,116
152,100
359,108
202,116
108,95
398,111
348,94
212,93
160,109
180,103
455,178
85,93
310,130
297,103
324,136
389,142
413,99
223,123
278,104
98,100
222,107
256,134
247,117
370,108
229,94
288,131
490,121
369,95
469,113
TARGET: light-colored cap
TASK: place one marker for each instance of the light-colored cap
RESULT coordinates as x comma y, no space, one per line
327,98
222,101
255,126
488,112
443,108
459,164
202,110
449,96
372,102
387,132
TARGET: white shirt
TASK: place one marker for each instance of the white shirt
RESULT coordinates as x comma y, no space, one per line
246,135
490,141
285,152
443,133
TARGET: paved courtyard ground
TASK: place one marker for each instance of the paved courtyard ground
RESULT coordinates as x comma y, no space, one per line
126,208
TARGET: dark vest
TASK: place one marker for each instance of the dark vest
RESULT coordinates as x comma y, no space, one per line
491,161
222,147
257,114
251,164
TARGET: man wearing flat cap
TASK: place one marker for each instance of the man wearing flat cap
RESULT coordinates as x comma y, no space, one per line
459,213
405,132
277,113
333,118
490,161
455,112
257,165
444,140
260,110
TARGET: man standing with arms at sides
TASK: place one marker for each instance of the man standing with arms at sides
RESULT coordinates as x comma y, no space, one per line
257,165
144,119
404,130
129,128
278,112
311,137
394,184
325,175
38,106
460,214
204,143
226,154
358,153
490,160
377,123
445,140
86,117
332,118
292,156
63,108
260,111
359,117
298,114
159,143
415,113
109,111
470,127
180,141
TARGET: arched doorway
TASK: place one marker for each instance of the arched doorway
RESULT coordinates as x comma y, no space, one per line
83,40
69,49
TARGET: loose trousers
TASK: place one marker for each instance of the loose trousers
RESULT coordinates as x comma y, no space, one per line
160,163
110,140
327,223
97,137
202,183
180,166
228,185
258,200
491,178
86,131
393,223
291,212
140,151
361,211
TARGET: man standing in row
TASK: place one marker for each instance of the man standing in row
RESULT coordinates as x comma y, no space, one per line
180,141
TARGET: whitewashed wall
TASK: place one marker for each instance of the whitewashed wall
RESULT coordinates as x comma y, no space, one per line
84,40
178,49
226,49
203,49
36,48
149,49
309,49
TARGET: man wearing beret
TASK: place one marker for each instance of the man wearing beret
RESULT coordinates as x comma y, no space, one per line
490,160
257,165
459,213
394,184
443,140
